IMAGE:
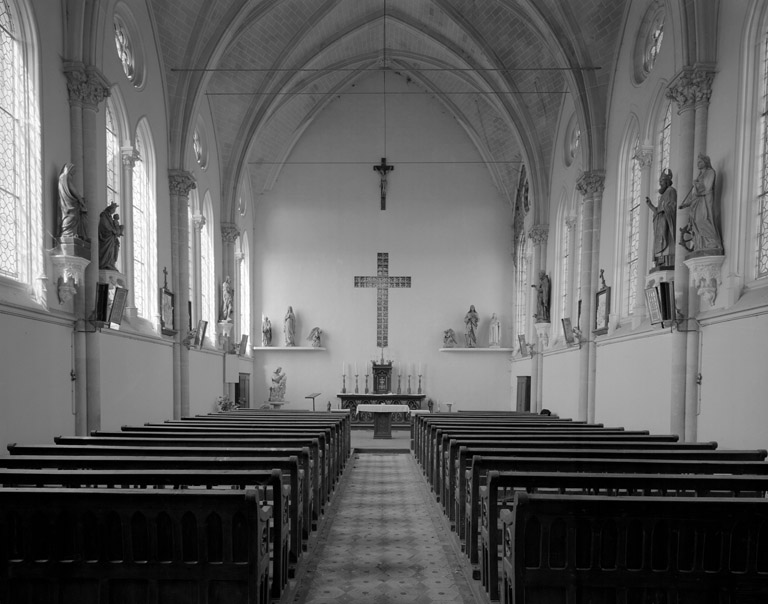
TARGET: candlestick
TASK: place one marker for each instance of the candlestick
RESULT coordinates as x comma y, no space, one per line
366,383
419,390
343,383
398,384
409,383
356,389
355,367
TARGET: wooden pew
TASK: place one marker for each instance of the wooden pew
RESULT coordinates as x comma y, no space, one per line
498,495
574,461
567,548
72,546
270,485
144,459
316,488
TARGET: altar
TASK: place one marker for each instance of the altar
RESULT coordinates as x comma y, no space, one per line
353,401
382,417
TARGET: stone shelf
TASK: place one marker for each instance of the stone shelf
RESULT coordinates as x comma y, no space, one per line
286,348
458,349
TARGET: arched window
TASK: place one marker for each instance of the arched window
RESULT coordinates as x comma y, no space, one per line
762,169
521,286
21,198
244,306
144,225
631,229
565,265
663,150
207,268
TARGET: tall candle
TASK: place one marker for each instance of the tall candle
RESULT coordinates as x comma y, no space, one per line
343,368
356,368
419,367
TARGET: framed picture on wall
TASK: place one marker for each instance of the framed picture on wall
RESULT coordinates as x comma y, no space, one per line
568,330
167,312
118,305
653,303
602,311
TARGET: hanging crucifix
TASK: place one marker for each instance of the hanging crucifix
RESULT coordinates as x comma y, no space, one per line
382,169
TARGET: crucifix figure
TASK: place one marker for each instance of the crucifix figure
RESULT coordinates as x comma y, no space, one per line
382,169
382,282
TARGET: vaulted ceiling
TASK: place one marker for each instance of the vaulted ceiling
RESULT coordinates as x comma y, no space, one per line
501,67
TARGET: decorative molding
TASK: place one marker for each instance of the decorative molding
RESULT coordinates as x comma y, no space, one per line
539,234
198,221
644,157
691,87
229,233
571,222
591,182
543,331
129,156
180,182
464,349
69,271
85,85
706,276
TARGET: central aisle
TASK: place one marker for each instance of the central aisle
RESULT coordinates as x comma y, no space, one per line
385,541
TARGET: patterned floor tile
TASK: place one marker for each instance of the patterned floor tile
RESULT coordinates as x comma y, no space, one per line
385,541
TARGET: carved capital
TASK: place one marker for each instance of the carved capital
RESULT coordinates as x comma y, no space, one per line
85,85
130,156
691,87
198,221
570,222
644,157
229,232
181,182
239,257
539,234
591,182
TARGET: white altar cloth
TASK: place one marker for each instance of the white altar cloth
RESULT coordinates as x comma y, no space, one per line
366,408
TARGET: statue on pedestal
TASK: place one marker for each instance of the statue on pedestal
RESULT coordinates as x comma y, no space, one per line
73,207
266,331
110,231
277,390
314,337
494,335
227,294
449,338
664,218
470,330
701,236
542,298
289,327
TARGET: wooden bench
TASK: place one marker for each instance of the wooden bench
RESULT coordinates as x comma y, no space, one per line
315,490
498,495
271,486
568,548
574,461
101,546
35,457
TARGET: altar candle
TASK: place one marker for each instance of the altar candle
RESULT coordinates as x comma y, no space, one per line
356,368
419,367
343,368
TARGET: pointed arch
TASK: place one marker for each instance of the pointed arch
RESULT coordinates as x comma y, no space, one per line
144,223
207,266
244,303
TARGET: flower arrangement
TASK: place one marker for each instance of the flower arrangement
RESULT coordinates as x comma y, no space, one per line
224,403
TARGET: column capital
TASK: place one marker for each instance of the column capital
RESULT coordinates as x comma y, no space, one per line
229,232
591,182
130,156
539,234
86,86
644,156
691,87
198,221
570,222
181,182
239,257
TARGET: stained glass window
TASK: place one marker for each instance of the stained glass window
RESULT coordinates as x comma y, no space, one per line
762,185
664,139
144,236
124,49
653,43
632,230
565,242
207,270
245,287
521,286
113,159
197,147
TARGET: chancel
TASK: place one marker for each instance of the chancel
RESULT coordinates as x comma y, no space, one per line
588,178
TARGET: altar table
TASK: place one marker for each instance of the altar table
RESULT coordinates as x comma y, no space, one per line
382,417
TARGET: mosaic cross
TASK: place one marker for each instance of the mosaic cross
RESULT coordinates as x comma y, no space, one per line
383,283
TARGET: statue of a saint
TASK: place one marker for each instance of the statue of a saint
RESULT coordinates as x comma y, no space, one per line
542,298
470,327
277,390
664,217
494,335
110,231
227,294
289,327
73,207
703,228
449,338
266,331
314,337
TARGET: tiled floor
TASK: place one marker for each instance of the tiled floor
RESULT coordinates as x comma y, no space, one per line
385,540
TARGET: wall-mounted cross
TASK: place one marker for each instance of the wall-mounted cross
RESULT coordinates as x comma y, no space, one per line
382,282
382,169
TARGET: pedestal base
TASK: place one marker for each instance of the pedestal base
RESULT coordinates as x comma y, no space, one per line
274,404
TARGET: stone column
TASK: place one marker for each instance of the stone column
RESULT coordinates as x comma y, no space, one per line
198,222
180,183
239,258
682,91
87,88
570,224
644,157
589,184
539,234
129,156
